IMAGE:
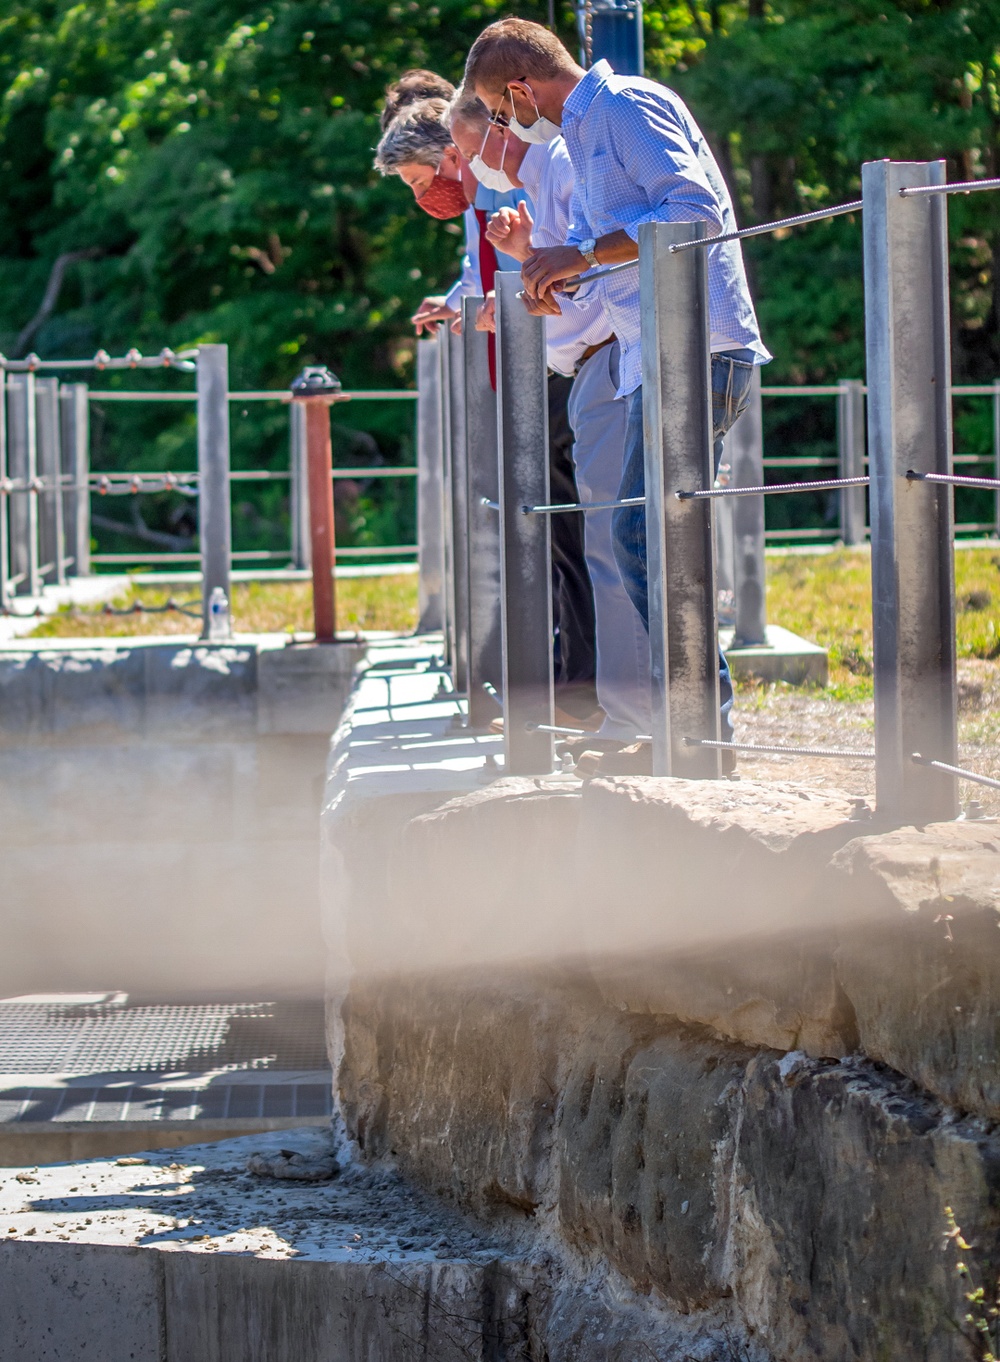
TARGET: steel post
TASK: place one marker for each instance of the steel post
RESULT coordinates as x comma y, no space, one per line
525,552
745,450
299,469
74,406
996,453
4,498
444,425
214,514
485,650
677,432
23,504
851,458
430,488
51,538
459,505
909,427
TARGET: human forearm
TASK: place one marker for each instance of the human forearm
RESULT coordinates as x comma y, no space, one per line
615,249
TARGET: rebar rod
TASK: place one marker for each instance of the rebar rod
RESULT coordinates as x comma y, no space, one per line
820,215
779,750
562,507
820,485
959,187
953,479
959,771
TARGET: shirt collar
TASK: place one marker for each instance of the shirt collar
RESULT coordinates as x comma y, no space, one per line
579,99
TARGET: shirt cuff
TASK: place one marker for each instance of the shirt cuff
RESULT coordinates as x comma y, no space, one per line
455,294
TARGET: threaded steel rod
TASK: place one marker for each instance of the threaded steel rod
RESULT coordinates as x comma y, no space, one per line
953,480
959,771
959,187
818,486
780,750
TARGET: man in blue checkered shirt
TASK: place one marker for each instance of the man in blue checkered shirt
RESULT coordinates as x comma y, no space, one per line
638,156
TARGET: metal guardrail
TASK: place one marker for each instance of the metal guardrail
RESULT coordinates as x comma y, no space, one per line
902,412
46,482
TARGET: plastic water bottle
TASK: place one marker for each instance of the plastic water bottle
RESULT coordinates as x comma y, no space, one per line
219,626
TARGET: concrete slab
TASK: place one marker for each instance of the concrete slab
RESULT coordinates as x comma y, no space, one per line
60,1306
785,657
191,1258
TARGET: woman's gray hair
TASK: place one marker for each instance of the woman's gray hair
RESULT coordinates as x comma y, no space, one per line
419,135
467,108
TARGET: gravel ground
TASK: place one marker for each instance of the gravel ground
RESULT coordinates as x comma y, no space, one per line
779,714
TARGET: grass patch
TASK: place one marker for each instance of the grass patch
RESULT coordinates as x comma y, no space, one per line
823,597
258,608
827,598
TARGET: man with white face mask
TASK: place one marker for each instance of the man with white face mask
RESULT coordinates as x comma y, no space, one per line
580,346
638,156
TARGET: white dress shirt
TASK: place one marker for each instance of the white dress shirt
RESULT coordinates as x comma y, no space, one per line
547,174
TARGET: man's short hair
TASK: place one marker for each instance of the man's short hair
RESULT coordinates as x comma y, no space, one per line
467,108
515,49
420,135
412,87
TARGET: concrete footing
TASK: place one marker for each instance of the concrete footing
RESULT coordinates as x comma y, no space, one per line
192,1258
784,657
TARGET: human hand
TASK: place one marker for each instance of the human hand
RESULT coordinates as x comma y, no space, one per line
545,305
546,266
431,311
486,316
509,230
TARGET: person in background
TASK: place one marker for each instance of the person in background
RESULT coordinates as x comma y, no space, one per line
418,146
412,87
638,156
583,364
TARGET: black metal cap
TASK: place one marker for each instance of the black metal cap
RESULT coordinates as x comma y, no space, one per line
316,380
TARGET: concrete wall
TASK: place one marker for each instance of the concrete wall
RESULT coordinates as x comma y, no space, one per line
158,815
717,1056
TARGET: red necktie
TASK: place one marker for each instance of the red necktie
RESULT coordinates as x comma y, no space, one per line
487,271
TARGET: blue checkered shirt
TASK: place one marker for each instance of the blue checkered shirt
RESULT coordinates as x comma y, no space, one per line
639,156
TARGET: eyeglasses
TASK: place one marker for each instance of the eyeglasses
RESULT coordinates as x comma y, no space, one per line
499,119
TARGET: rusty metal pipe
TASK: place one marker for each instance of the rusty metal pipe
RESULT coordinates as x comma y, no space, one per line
317,389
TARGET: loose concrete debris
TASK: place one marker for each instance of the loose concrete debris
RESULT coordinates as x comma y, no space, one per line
268,1196
291,1165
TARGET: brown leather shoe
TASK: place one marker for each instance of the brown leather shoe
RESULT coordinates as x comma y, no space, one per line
635,760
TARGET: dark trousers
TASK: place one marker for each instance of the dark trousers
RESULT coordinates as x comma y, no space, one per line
572,593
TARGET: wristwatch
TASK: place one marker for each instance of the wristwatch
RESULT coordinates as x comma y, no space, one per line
587,249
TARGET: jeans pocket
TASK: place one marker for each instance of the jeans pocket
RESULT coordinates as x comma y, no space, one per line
731,379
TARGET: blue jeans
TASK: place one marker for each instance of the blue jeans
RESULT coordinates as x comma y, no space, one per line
731,375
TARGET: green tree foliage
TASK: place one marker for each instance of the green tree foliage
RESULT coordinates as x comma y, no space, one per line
206,165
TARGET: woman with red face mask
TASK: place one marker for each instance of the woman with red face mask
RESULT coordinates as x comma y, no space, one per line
417,147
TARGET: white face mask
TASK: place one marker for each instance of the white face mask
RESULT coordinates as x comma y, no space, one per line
542,130
486,175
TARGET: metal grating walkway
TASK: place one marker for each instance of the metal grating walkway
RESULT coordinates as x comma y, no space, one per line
106,1058
115,1035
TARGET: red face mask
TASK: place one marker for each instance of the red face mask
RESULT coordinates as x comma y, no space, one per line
443,198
